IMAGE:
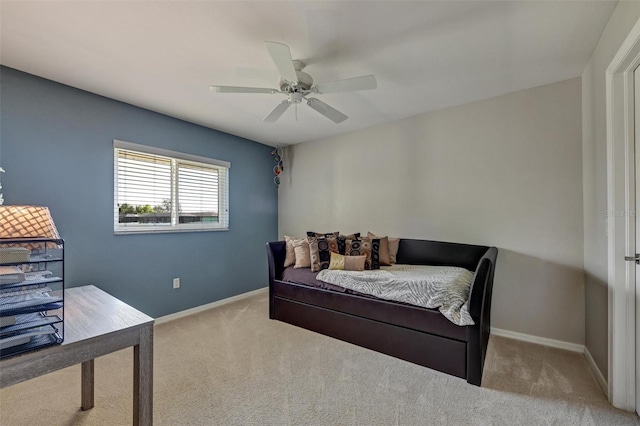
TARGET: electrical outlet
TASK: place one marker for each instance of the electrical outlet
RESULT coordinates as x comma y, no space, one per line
176,283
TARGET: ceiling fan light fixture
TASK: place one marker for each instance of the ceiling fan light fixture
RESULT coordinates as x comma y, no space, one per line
295,98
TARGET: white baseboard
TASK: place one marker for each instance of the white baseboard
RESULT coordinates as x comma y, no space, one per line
211,305
573,347
560,344
596,372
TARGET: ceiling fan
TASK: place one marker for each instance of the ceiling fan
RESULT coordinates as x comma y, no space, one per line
298,85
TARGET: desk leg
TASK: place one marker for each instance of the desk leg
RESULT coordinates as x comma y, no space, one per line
143,379
87,384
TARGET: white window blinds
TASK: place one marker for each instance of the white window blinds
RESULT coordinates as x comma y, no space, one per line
159,191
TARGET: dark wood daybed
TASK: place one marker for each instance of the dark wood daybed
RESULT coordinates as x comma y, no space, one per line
419,335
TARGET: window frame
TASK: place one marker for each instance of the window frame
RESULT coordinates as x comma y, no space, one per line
175,158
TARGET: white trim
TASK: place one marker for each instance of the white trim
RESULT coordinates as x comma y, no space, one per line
168,153
560,344
172,164
596,371
621,222
216,304
167,230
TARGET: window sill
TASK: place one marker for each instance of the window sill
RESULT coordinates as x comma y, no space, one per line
165,231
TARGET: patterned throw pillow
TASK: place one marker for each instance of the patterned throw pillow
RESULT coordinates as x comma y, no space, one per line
385,260
320,249
320,234
370,247
303,257
342,241
392,246
347,263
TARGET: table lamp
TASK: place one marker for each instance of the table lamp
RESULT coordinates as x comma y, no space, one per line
27,222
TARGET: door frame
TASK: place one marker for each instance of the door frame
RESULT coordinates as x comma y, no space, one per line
621,216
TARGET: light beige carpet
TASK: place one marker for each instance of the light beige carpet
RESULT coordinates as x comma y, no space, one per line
233,366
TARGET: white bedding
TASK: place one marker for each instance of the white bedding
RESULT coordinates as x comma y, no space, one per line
442,287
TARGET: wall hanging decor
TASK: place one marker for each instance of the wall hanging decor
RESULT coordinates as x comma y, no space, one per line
1,197
278,168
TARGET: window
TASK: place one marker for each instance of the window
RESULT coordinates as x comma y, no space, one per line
156,190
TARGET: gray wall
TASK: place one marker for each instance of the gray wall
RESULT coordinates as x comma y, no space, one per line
56,145
594,147
505,171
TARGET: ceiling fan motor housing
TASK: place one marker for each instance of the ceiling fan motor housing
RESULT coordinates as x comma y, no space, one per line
305,81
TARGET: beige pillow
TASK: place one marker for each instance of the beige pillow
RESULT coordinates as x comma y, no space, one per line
347,263
392,246
290,258
303,257
385,260
394,243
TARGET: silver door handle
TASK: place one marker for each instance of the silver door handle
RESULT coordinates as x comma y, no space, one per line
635,258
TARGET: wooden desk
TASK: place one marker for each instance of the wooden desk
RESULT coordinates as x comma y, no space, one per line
95,324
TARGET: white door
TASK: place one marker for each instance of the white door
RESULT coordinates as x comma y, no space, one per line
636,76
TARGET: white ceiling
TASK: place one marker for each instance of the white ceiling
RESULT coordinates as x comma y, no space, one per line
426,55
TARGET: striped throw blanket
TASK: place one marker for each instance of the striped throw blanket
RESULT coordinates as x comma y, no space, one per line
443,287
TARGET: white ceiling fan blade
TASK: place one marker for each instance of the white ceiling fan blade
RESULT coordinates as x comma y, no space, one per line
281,56
365,82
236,89
273,116
324,109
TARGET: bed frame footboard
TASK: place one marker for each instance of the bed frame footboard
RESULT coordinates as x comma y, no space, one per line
480,310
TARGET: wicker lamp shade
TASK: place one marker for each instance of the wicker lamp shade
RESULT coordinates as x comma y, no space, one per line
27,222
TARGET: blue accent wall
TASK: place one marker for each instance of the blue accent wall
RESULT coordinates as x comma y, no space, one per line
56,146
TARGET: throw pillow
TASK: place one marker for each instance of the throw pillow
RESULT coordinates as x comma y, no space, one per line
342,241
385,260
320,249
347,263
369,247
303,257
290,258
320,234
392,243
